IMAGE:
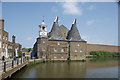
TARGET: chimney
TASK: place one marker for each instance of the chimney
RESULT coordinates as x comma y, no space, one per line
13,39
2,23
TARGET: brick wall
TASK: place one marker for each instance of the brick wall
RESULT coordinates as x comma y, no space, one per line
98,47
77,50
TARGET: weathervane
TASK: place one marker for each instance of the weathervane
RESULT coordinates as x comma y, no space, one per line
43,18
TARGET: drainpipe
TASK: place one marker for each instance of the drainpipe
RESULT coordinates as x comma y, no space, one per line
69,51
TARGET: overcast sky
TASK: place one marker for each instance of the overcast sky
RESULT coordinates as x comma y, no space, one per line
97,22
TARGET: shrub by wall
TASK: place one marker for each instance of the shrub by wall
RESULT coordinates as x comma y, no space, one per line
104,53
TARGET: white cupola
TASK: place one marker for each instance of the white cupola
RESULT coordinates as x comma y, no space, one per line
43,30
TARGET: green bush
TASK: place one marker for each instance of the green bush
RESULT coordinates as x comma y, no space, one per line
104,53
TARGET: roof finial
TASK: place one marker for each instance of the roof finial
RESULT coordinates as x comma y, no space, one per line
74,22
43,18
56,19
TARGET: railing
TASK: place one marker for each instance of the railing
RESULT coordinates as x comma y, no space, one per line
9,64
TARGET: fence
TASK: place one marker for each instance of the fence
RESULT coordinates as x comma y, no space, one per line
9,64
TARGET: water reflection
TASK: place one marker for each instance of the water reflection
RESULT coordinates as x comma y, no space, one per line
105,68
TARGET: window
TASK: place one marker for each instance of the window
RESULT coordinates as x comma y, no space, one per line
54,57
58,43
75,50
62,50
81,51
43,41
3,45
78,45
6,45
62,57
55,50
3,37
6,37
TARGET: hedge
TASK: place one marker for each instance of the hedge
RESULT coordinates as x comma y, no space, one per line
104,53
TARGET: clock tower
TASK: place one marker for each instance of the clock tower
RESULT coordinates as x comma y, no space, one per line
43,31
42,41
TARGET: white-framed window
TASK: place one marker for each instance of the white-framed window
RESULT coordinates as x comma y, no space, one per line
58,43
62,57
3,36
10,47
81,51
6,45
3,45
75,50
43,41
55,50
55,57
62,50
6,37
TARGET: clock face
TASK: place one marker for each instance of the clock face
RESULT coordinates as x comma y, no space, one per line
43,33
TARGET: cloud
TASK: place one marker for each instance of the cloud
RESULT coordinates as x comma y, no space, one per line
90,22
71,8
91,7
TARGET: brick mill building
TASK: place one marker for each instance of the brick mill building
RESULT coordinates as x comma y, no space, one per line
60,42
7,48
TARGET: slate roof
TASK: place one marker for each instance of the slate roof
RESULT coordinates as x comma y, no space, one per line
63,31
55,33
73,34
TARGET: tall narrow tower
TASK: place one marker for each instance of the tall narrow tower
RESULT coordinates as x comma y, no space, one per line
13,39
42,41
43,30
1,24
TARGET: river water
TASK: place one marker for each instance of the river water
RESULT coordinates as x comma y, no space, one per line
94,68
